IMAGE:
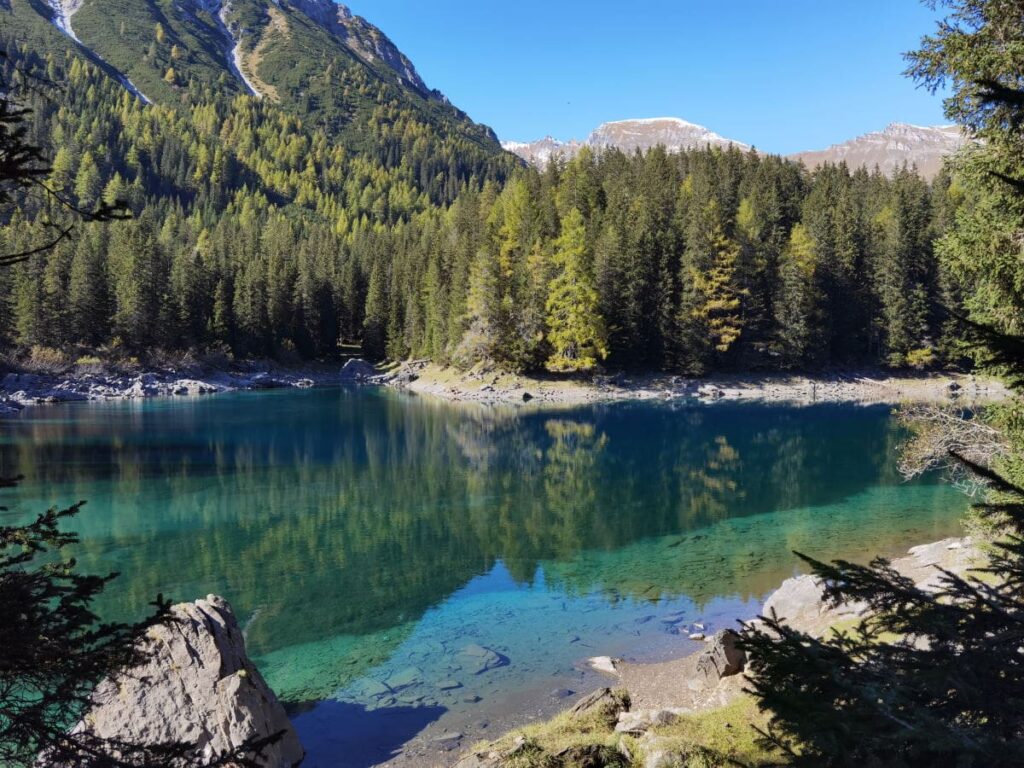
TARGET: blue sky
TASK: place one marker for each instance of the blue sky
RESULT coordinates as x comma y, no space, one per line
784,75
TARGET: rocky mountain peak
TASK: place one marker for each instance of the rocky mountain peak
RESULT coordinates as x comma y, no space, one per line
895,145
673,133
361,37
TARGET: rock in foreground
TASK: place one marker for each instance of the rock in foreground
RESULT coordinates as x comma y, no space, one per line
197,686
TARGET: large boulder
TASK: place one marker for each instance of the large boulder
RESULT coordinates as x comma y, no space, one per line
196,686
801,597
721,658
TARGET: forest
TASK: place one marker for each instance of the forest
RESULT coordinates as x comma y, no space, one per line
255,235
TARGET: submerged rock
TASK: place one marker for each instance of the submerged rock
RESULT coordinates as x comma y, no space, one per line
476,659
196,686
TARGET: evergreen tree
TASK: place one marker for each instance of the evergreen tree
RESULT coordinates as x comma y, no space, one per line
710,320
799,304
575,329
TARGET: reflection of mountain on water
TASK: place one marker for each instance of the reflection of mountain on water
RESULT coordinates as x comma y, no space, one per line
339,512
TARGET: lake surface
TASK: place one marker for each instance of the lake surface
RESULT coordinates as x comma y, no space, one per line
373,543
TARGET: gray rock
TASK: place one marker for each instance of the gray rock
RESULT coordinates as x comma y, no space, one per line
197,686
476,659
642,720
357,370
603,701
799,597
447,741
721,658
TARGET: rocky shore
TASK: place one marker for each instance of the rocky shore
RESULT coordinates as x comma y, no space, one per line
489,386
19,389
648,711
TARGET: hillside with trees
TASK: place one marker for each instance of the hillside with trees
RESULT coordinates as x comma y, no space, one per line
264,227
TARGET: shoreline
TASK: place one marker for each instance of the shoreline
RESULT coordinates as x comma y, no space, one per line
664,693
107,382
488,387
858,386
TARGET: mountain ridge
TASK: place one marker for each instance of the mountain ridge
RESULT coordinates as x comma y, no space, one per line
888,149
317,59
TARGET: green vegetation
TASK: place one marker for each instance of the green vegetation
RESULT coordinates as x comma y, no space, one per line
713,738
351,206
256,234
934,676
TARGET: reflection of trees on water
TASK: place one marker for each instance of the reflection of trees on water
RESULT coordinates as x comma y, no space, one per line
352,512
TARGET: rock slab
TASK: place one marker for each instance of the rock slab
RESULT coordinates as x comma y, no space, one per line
196,686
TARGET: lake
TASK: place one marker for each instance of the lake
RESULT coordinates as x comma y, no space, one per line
406,568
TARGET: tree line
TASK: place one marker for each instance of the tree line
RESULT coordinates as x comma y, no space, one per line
255,234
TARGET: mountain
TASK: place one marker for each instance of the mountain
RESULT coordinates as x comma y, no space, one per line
540,152
889,149
627,135
314,58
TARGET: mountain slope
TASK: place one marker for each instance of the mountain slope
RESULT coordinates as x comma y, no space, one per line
313,57
891,148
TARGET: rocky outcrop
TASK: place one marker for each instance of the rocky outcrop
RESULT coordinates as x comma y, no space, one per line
197,686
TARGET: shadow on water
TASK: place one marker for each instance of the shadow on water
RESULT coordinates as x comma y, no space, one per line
341,733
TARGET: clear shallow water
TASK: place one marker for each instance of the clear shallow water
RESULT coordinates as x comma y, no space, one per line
366,538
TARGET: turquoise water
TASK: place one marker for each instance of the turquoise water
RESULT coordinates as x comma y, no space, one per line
370,540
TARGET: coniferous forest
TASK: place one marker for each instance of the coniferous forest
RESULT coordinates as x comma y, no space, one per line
256,234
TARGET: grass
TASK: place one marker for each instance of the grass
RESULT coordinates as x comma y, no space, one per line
717,737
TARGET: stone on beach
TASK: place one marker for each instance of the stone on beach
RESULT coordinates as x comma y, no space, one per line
798,598
721,658
357,370
604,664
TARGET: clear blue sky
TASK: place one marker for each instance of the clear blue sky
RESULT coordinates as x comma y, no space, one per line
784,75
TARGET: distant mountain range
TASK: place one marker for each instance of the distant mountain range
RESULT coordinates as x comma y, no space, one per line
889,149
923,146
